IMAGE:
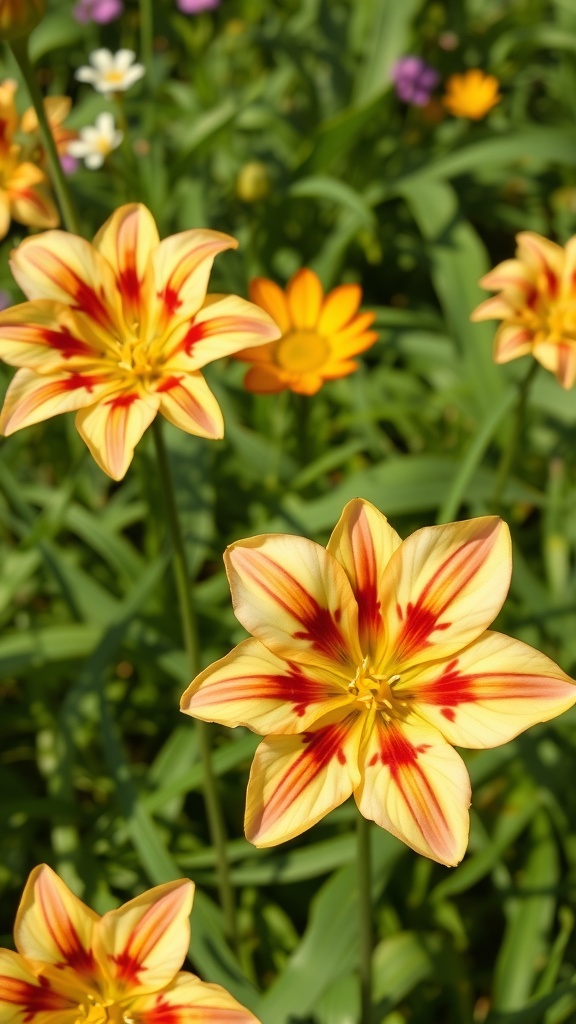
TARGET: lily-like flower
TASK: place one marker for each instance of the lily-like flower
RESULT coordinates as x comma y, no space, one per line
111,72
320,335
73,966
119,330
367,660
96,142
19,17
24,188
472,94
537,305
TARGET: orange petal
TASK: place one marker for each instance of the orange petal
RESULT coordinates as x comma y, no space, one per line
190,1001
417,787
305,295
220,329
296,780
270,297
338,308
53,926
254,688
25,999
30,199
113,426
31,398
264,380
140,947
182,265
127,241
187,402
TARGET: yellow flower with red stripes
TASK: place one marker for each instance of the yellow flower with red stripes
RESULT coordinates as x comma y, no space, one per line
320,335
537,305
118,330
368,660
24,188
73,966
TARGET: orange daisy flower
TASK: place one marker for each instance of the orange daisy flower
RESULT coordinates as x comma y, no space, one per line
320,334
24,187
471,94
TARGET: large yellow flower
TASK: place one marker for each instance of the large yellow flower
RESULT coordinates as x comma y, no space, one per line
24,188
537,305
367,660
74,967
471,94
118,330
320,334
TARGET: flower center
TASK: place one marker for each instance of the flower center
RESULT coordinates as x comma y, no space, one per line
302,351
137,361
561,321
373,688
114,77
93,1012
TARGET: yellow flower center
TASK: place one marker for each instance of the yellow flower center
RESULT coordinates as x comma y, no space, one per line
374,688
114,77
137,361
561,320
302,351
108,1012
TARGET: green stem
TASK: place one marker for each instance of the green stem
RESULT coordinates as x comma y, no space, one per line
147,36
509,452
190,633
19,48
364,862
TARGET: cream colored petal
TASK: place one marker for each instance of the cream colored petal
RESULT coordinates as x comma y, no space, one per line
32,398
190,1001
188,403
511,342
559,357
182,265
25,1000
52,925
47,337
220,329
113,426
127,241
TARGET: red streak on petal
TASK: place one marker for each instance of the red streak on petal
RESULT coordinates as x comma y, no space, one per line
448,713
194,334
341,756
169,383
122,401
551,282
128,968
32,999
171,299
66,343
82,380
130,285
322,632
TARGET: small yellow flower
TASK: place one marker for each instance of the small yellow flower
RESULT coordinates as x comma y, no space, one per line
320,334
19,17
471,94
537,305
24,188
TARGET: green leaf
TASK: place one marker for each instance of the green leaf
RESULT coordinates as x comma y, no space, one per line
322,187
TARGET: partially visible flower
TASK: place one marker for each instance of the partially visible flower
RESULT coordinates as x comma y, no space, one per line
111,72
448,40
19,17
119,330
368,661
414,80
96,142
24,188
471,94
537,305
100,11
320,334
253,182
57,109
73,965
69,164
196,6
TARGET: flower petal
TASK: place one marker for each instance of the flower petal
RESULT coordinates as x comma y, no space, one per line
46,337
24,999
295,597
416,786
296,780
30,199
511,275
252,687
511,342
559,357
264,380
140,947
270,297
113,426
493,690
338,308
127,241
188,403
444,586
220,329
305,295
363,542
31,398
190,1001
182,265
52,925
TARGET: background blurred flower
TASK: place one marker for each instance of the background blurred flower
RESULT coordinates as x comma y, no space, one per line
19,17
57,110
414,80
96,141
320,334
196,6
110,72
101,11
24,187
253,182
471,94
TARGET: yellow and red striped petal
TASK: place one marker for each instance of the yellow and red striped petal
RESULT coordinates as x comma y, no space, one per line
296,780
113,426
544,256
491,691
363,542
47,337
127,241
443,587
254,688
32,398
190,1001
182,265
510,275
305,295
53,926
338,308
221,328
416,786
559,357
498,307
188,403
270,297
141,946
25,999
512,341
30,199
295,597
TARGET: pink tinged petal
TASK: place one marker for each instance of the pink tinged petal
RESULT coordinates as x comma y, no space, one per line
559,357
295,597
45,337
417,787
511,342
296,780
27,999
32,398
190,1001
112,428
127,241
493,690
254,688
52,925
220,329
187,402
182,266
305,295
140,947
444,586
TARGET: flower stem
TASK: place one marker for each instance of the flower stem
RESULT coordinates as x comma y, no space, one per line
509,451
19,48
364,862
190,633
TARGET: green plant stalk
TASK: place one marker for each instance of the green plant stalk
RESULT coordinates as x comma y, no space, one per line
509,452
365,946
147,35
190,633
19,48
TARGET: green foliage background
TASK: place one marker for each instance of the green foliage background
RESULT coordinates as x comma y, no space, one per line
99,774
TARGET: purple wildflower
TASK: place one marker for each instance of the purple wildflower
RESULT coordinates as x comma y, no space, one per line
414,80
101,11
196,6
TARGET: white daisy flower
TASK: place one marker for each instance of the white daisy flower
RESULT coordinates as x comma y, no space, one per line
96,142
111,72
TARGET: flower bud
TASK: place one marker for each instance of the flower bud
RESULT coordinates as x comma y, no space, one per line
19,17
253,182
